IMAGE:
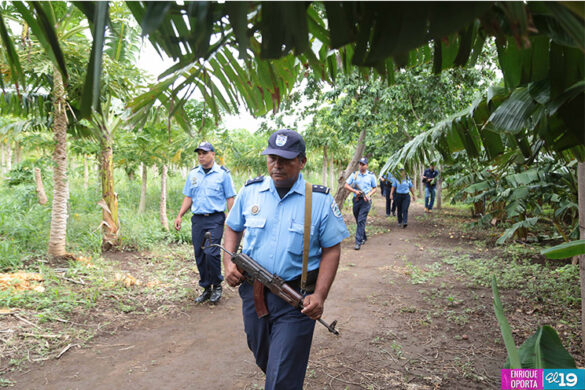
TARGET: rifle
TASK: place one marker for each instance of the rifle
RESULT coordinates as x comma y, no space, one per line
254,271
361,193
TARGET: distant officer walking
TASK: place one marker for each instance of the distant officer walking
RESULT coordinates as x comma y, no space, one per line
363,184
430,181
400,195
386,183
271,211
207,190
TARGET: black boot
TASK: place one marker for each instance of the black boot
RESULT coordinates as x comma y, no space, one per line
205,295
215,294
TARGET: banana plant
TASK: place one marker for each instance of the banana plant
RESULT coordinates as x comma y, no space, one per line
543,349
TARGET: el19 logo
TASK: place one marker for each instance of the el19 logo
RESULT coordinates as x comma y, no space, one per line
573,379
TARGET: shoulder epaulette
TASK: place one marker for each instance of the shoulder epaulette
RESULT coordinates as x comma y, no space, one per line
195,167
255,180
225,169
320,188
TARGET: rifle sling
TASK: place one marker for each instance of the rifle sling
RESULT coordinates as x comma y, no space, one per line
307,234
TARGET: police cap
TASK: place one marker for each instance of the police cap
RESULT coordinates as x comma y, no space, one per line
285,143
205,146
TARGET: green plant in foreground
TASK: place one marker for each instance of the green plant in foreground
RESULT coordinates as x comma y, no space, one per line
542,350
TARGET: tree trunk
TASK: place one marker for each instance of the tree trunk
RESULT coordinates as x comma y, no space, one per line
163,198
142,203
2,159
85,174
331,174
9,157
40,188
439,192
324,181
342,193
58,231
109,201
581,202
17,154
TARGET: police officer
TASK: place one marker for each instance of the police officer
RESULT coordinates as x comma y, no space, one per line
386,181
207,190
363,184
430,181
400,195
271,211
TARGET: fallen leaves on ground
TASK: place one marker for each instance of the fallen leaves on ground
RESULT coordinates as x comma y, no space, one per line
22,281
127,280
85,260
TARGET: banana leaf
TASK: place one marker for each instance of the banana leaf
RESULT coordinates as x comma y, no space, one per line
565,250
544,349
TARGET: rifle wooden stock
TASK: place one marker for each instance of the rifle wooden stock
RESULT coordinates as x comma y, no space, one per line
274,283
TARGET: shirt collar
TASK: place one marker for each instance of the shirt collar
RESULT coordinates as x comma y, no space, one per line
214,168
298,187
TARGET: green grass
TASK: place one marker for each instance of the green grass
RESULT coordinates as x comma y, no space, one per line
555,285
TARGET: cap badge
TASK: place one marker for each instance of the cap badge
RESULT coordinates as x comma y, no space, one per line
255,209
281,140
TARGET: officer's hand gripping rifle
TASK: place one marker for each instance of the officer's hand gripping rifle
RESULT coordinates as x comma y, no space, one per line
361,193
254,271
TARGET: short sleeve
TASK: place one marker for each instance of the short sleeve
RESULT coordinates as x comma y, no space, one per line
332,229
235,219
350,179
228,186
373,178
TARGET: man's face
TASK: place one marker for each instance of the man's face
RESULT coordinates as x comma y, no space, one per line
205,158
432,167
283,171
363,167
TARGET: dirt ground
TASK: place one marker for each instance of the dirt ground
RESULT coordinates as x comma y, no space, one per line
439,334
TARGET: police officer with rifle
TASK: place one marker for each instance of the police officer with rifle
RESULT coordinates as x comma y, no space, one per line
293,232
363,184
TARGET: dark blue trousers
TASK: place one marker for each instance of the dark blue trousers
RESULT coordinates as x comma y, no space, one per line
390,205
361,208
402,204
208,260
280,341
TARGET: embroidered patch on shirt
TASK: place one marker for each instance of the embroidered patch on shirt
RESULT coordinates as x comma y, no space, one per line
335,210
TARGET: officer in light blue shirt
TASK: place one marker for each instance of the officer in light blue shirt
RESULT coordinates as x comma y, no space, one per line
363,184
400,195
269,213
207,190
386,183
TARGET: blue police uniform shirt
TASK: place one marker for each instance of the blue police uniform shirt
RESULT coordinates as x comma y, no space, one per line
430,174
402,185
275,227
389,179
210,190
366,181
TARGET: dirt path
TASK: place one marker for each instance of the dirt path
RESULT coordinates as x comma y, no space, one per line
394,334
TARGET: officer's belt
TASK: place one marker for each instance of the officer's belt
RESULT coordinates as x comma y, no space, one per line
208,214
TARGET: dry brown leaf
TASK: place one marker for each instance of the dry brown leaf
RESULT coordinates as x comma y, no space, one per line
21,281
